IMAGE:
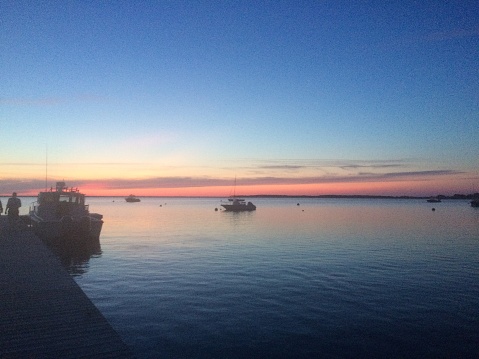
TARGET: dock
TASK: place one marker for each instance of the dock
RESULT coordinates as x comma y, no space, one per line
43,311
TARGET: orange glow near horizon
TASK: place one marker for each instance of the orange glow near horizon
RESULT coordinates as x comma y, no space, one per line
214,187
389,188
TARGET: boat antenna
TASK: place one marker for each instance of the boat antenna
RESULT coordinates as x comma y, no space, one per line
46,166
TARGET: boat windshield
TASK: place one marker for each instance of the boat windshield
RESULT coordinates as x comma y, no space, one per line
72,198
52,197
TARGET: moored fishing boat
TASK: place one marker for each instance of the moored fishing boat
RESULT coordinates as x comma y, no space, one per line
62,214
132,198
238,205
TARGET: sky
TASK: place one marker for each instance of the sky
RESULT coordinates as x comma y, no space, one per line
180,98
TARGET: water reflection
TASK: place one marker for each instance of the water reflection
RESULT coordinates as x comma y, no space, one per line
236,219
75,256
327,278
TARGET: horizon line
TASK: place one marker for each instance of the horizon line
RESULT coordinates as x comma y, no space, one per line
365,196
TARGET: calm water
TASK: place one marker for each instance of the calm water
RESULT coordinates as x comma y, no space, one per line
328,278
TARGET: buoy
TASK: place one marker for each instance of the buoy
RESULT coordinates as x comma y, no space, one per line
298,204
216,209
433,209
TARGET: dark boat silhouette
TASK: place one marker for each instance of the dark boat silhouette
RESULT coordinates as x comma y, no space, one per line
132,198
238,205
62,213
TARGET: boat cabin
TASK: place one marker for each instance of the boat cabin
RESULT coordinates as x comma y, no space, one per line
63,201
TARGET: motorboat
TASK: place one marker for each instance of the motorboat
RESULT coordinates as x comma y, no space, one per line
433,200
238,205
61,214
132,198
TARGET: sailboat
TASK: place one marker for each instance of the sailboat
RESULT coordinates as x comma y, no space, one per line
236,204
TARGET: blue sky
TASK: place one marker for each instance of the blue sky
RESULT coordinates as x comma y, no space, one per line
189,94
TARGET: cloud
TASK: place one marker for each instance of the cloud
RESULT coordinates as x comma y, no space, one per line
282,167
291,164
182,182
420,173
376,166
361,177
254,173
20,185
161,182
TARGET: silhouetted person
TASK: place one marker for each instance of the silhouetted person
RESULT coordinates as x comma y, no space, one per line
1,207
12,208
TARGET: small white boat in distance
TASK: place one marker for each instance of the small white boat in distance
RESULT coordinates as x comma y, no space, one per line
62,214
132,198
238,205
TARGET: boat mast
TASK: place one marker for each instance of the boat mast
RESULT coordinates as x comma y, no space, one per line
46,167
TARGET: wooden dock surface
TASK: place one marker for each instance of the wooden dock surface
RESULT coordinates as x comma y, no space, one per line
43,312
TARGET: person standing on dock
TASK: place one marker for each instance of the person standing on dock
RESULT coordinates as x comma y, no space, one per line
12,208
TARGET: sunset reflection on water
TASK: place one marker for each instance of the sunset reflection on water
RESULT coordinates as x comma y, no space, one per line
175,275
192,221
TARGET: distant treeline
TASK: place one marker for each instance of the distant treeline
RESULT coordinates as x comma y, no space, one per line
460,196
455,196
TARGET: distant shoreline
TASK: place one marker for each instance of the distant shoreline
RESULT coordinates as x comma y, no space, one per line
342,196
456,196
333,196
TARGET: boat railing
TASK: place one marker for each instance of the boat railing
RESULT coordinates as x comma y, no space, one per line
33,206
